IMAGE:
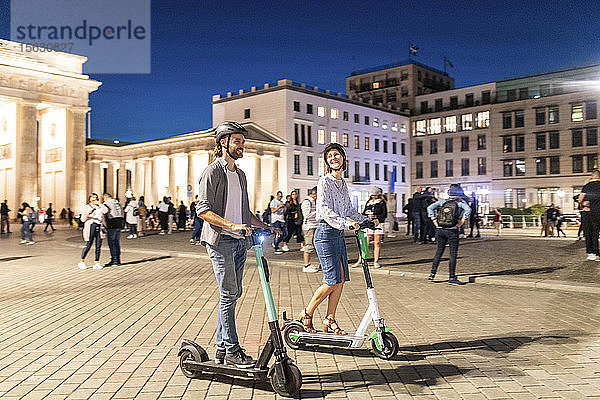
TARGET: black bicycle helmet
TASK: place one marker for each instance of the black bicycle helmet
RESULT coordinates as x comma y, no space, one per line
339,148
226,129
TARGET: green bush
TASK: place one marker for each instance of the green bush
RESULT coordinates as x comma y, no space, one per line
534,210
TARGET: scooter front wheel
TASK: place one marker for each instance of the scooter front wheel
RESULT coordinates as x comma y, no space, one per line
290,335
288,385
389,347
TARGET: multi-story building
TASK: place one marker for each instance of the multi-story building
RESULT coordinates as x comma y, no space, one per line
396,85
307,119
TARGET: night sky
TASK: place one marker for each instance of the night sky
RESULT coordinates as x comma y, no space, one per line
203,48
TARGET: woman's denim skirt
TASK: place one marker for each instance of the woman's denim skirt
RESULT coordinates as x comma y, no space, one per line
331,249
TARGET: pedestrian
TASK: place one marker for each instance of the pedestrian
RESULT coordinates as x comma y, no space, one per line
559,222
70,216
293,220
28,215
223,204
474,218
266,215
132,212
417,205
427,228
375,208
589,198
544,222
4,217
552,215
335,213
163,215
497,222
114,217
408,210
451,215
92,216
171,215
278,221
143,214
196,222
63,214
181,216
49,218
309,225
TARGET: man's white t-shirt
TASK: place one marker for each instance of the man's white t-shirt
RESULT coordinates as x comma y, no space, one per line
233,209
278,215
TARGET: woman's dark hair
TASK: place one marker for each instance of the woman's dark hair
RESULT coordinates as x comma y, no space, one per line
93,194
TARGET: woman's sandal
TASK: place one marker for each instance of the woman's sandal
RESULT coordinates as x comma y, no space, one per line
330,325
307,322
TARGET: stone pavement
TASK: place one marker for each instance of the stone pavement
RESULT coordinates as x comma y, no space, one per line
114,333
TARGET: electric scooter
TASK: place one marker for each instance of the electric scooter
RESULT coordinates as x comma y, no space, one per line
284,375
384,343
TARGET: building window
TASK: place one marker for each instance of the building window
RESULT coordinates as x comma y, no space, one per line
483,119
481,166
376,144
345,116
367,143
555,165
508,197
403,149
334,137
321,136
366,120
404,93
419,170
419,148
334,113
453,102
464,167
511,94
481,142
303,135
519,142
467,122
345,140
450,123
394,127
375,122
246,113
433,146
553,115
385,146
449,168
554,140
540,141
309,135
507,144
435,126
356,142
346,173
309,108
592,162
321,166
591,136
403,172
520,167
297,164
296,106
469,100
540,166
486,97
577,137
385,172
309,165
321,111
508,167
576,112
357,171
506,120
438,105
449,145
464,143
540,116
296,135
376,172
519,119
523,93
356,119
577,164
394,148
420,127
590,110
434,169
424,107
367,171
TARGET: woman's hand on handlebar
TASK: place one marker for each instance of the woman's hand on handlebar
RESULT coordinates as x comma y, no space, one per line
355,226
376,222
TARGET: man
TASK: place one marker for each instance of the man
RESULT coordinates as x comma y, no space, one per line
589,198
427,228
114,217
552,215
171,217
417,204
309,211
474,219
4,217
452,214
408,210
278,221
197,223
49,218
223,204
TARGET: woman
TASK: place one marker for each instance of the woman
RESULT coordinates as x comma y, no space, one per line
334,213
132,210
293,220
92,229
143,211
163,215
181,216
28,216
375,208
498,222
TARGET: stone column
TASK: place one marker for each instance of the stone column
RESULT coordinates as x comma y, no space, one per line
96,181
138,179
190,176
155,180
26,154
258,195
148,183
122,182
110,179
75,157
275,181
172,179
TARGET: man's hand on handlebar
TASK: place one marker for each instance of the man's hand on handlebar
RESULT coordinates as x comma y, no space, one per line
247,230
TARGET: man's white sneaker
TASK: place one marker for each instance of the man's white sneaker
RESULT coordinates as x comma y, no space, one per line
192,241
357,264
130,237
82,265
23,242
278,252
285,248
310,268
135,236
97,266
31,242
591,257
376,265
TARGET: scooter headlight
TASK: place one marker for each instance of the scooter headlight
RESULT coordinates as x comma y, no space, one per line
261,239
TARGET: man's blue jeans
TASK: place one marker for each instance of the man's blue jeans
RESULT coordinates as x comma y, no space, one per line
228,259
417,226
26,231
113,237
284,232
197,229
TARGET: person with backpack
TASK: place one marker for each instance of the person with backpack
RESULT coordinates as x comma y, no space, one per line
28,216
309,225
266,215
451,215
132,212
114,223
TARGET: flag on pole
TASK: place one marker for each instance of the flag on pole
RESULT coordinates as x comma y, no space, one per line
413,49
449,62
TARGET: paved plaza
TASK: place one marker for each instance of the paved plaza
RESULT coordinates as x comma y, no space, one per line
114,333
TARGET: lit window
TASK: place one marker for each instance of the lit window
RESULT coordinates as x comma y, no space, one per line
367,143
375,85
321,166
450,124
345,140
375,121
467,122
356,142
483,119
321,111
435,126
403,128
321,136
395,126
577,113
334,113
420,127
384,125
334,137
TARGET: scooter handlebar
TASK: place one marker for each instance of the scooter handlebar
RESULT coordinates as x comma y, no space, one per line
259,235
368,224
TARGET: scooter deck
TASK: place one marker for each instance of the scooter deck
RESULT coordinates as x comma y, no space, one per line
330,339
223,369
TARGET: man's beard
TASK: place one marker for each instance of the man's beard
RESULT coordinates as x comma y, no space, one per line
234,154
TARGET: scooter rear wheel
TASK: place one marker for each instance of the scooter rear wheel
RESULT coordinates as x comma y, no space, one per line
389,347
187,355
290,385
290,334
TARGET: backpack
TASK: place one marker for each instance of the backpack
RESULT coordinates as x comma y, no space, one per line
448,214
136,211
114,216
298,217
